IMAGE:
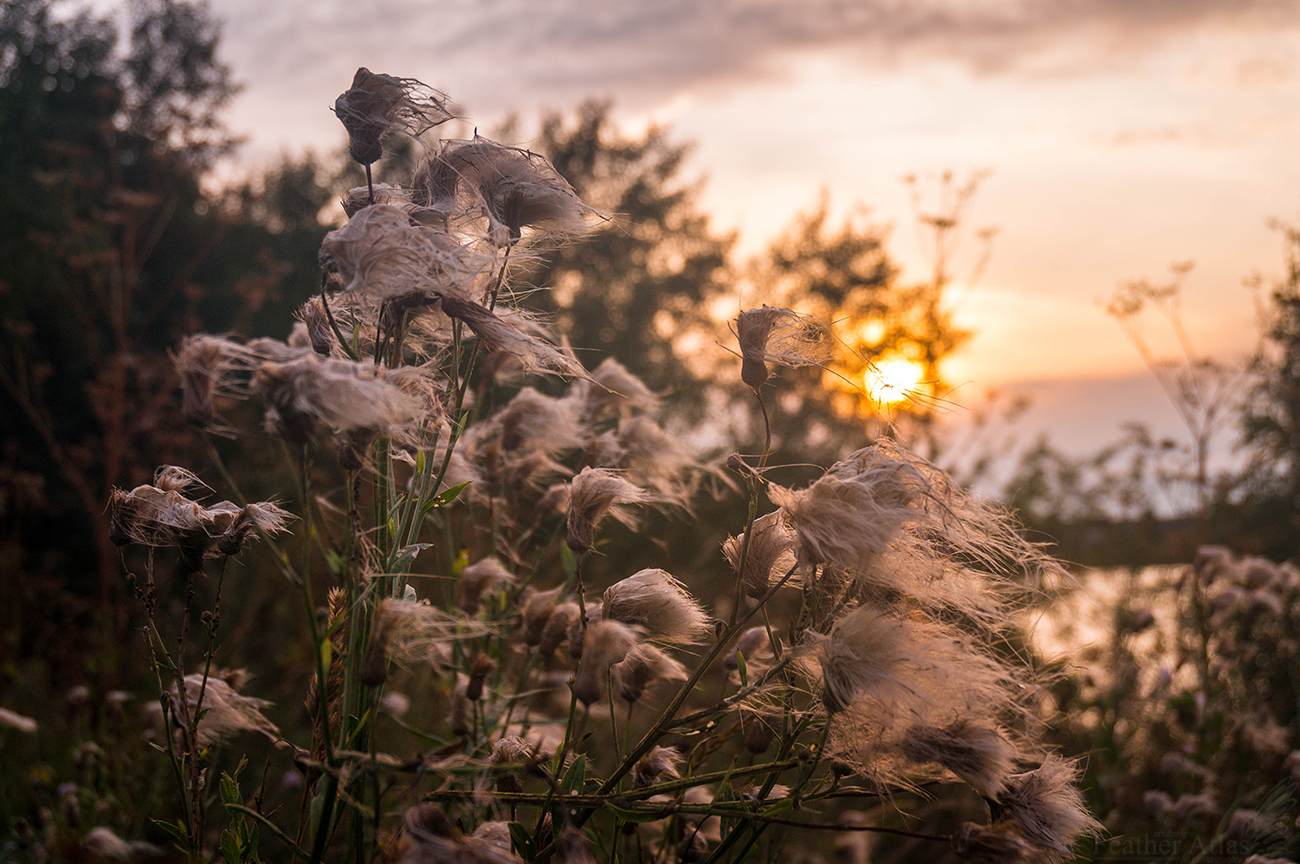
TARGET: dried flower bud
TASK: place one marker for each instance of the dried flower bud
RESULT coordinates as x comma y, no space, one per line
478,672
376,103
780,336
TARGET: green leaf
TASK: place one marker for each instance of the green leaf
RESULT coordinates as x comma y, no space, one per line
445,497
741,668
230,848
229,790
458,566
522,841
405,557
177,829
574,777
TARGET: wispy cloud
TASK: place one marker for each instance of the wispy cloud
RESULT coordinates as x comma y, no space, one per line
505,51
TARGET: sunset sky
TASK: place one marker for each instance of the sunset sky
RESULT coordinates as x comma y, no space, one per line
1122,136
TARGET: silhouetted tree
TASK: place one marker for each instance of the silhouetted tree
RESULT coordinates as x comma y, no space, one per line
110,250
1271,418
645,284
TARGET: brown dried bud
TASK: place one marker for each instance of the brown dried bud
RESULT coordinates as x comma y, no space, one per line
482,666
366,110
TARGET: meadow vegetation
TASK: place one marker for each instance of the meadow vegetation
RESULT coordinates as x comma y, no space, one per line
431,536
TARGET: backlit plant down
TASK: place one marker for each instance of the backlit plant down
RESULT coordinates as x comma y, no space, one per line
487,680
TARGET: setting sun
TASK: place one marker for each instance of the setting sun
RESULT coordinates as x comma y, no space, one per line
892,381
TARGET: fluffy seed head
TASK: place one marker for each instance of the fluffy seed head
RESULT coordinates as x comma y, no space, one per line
497,335
534,422
976,752
314,314
562,622
656,601
911,670
536,608
376,103
481,577
383,253
660,765
1047,807
998,845
409,631
225,711
643,665
515,190
613,389
889,517
594,494
606,643
781,336
341,395
160,515
770,552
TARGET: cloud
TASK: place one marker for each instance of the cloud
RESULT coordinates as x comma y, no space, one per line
568,49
